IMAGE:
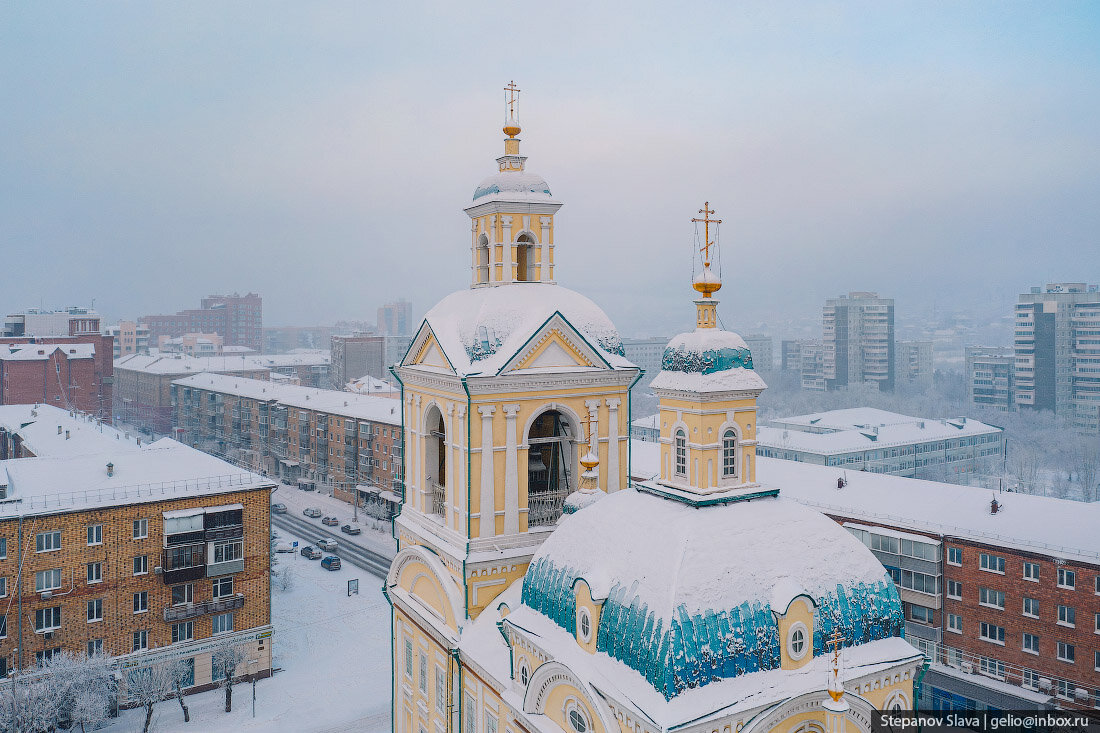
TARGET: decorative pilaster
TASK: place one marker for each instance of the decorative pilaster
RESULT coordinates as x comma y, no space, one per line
544,264
487,526
461,486
507,238
614,481
419,490
451,464
511,472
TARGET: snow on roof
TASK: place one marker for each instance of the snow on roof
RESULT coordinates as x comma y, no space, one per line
480,329
38,427
513,186
36,352
848,419
871,438
653,421
345,404
183,364
707,360
165,470
371,385
1057,527
729,380
645,460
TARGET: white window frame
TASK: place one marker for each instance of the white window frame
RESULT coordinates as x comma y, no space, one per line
188,593
1025,637
1067,616
989,563
1065,574
225,621
141,529
991,598
408,658
1063,647
95,604
141,636
53,576
1028,567
143,606
142,562
1033,613
954,623
189,626
679,448
47,541
95,535
954,552
958,586
584,625
798,634
998,638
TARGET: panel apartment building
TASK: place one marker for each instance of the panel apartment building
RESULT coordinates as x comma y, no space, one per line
858,341
346,441
990,377
360,355
238,319
143,552
1057,348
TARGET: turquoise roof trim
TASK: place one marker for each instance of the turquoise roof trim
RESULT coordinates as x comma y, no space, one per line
695,649
677,359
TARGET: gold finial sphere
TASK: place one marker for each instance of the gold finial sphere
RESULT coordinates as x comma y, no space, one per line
511,128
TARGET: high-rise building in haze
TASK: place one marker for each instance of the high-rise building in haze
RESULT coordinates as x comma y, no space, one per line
360,355
1057,348
990,372
761,347
395,319
858,341
238,319
913,363
73,321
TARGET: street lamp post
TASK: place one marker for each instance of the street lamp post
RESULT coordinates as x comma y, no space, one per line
250,663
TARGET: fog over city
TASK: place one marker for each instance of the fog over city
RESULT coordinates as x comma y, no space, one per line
322,155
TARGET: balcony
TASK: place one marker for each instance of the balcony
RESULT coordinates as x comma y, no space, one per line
224,568
191,610
232,532
184,575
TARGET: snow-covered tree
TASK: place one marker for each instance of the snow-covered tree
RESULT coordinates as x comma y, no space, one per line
147,686
90,708
182,674
224,662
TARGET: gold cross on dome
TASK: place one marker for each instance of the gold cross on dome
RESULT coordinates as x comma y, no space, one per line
706,211
587,424
512,90
834,642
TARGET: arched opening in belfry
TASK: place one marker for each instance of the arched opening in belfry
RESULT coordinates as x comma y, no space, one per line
526,267
435,461
550,467
483,259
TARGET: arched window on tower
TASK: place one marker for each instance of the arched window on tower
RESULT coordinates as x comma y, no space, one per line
526,267
681,453
729,454
436,462
550,463
483,259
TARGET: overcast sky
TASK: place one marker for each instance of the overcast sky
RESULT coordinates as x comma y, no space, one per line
321,153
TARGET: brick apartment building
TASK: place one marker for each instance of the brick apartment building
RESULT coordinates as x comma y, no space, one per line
238,319
348,442
143,389
72,372
141,552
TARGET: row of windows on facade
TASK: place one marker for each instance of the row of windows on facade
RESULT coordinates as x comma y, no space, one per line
1029,678
48,620
729,453
50,541
1067,578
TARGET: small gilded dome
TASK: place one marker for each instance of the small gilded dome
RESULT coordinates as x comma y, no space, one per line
706,282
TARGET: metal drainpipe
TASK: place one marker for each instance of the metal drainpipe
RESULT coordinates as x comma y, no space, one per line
19,592
629,424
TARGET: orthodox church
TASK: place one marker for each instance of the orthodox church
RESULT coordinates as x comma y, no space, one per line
536,589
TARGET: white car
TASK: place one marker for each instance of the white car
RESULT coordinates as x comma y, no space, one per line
327,545
283,547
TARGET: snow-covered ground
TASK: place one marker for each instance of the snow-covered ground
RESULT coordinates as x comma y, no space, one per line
334,652
377,534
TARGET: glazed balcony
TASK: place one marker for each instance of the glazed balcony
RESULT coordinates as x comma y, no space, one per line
191,610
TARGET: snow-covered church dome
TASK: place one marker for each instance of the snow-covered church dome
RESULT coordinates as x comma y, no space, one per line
692,595
513,184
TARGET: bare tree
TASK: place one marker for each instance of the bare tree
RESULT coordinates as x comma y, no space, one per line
147,686
224,662
182,673
90,708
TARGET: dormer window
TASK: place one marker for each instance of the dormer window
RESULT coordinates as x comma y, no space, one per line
796,641
681,453
584,625
578,721
729,454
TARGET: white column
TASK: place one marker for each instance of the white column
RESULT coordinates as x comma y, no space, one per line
508,237
487,526
492,248
449,478
544,240
511,472
614,481
473,251
414,436
459,507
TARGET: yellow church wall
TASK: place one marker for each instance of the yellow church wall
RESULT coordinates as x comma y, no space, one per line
564,694
704,424
802,611
584,600
415,702
484,588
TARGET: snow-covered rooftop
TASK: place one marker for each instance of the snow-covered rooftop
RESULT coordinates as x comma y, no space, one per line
480,329
851,418
871,438
707,360
50,431
38,352
346,404
372,385
183,364
513,186
164,470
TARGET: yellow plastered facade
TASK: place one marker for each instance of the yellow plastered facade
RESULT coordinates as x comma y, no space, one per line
800,611
704,424
585,604
501,231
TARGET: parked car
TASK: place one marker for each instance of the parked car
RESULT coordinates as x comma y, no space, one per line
330,522
278,508
348,529
311,552
311,511
283,547
327,545
331,563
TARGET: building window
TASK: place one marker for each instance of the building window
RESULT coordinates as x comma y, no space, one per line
228,551
1031,571
796,641
46,580
1031,643
423,673
524,673
1096,661
490,724
47,619
954,590
141,640
992,667
184,631
955,623
4,554
469,725
141,602
408,658
584,625
954,556
1066,652
921,613
95,534
1067,578
223,587
991,598
1097,591
95,610
1064,689
3,627
222,622
991,563
577,719
182,594
1067,616
95,572
141,529
3,587
141,565
729,454
1030,679
440,690
681,453
95,646
993,633
1031,607
47,541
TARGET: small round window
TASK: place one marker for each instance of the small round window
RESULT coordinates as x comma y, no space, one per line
584,625
576,719
797,641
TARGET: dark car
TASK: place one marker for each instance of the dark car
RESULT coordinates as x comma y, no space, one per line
311,552
348,529
330,522
331,563
278,508
312,512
